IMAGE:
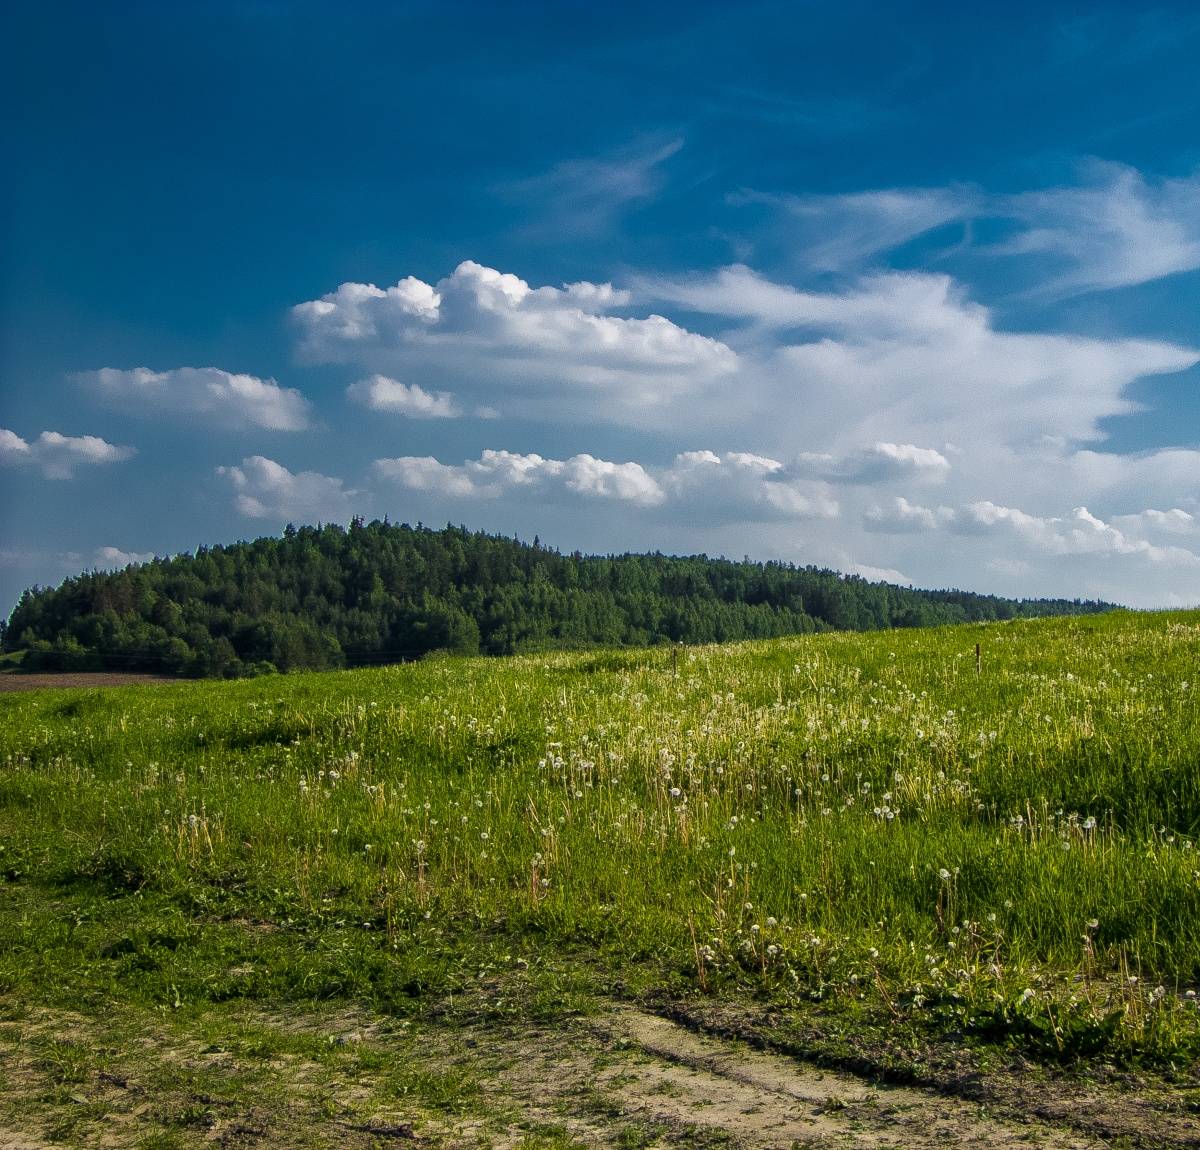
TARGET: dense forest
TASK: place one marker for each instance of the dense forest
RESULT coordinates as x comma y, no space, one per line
377,592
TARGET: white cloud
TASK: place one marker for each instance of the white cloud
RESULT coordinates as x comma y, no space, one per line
880,463
734,486
879,574
1004,565
265,489
222,398
113,558
740,485
1115,229
837,233
552,352
380,393
906,358
853,402
587,194
103,558
902,516
496,472
57,456
1176,522
1079,533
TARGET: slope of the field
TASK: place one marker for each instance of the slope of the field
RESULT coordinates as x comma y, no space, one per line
901,856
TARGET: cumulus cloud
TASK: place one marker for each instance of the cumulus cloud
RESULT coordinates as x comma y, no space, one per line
113,558
879,463
1079,533
222,398
379,393
495,473
739,484
878,574
853,401
264,489
57,456
552,352
902,516
102,558
735,485
1176,522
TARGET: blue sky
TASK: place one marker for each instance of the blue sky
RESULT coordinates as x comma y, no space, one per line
907,292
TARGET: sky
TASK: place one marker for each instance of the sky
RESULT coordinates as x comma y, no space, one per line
910,291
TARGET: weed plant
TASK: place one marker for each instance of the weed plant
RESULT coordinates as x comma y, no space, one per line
873,822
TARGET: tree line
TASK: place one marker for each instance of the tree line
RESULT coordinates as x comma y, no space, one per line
332,596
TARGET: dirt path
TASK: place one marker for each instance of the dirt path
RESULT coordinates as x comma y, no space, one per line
684,1088
621,1078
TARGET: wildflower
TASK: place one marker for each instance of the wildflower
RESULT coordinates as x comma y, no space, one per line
944,875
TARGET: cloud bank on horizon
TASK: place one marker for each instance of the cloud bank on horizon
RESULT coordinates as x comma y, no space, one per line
919,380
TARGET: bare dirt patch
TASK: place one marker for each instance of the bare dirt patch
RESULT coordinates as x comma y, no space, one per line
622,1077
1094,1100
626,1072
16,681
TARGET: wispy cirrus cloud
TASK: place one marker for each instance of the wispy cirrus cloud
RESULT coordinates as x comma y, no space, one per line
1116,227
586,194
838,233
908,358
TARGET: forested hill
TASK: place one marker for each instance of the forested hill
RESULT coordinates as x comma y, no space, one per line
333,596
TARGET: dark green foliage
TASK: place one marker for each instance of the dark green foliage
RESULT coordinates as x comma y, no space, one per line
322,597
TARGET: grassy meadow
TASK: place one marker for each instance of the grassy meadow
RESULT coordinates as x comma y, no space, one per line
863,827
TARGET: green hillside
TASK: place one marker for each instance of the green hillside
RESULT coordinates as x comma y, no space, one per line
378,593
865,848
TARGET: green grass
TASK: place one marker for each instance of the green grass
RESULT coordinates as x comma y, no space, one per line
860,824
